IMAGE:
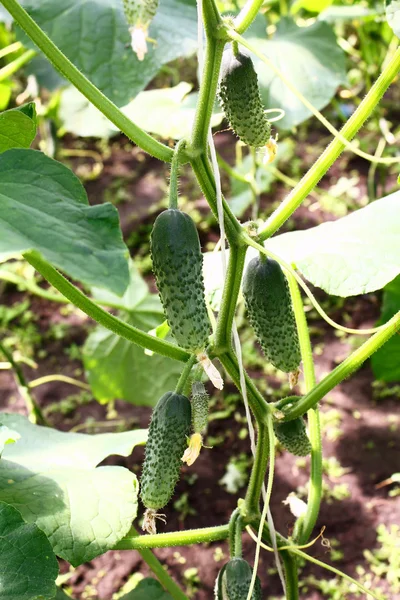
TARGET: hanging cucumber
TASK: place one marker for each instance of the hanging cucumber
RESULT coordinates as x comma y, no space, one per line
178,264
138,15
240,99
199,422
293,436
169,428
267,297
234,580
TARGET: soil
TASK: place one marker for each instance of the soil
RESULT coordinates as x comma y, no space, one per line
367,446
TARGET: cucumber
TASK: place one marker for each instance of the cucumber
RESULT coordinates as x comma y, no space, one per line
240,99
199,407
293,436
267,297
169,428
178,267
234,580
139,12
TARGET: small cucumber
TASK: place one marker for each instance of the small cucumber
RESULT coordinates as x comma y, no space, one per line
139,12
240,99
293,436
199,407
169,428
267,297
234,580
178,264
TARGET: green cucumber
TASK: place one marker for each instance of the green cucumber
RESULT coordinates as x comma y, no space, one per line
267,297
293,436
234,580
169,428
240,99
139,12
199,407
178,267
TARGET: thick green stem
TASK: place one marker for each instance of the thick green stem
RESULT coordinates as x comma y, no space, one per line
230,295
346,368
174,177
100,315
90,91
211,18
174,538
159,571
16,64
257,477
257,403
304,525
291,575
247,15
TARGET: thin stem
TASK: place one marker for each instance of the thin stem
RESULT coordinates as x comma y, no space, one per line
14,47
291,575
235,532
101,316
346,368
252,501
35,414
174,538
304,525
160,572
64,378
173,183
180,386
90,91
247,15
16,64
229,298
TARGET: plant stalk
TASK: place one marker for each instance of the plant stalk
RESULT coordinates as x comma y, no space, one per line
17,64
252,500
175,538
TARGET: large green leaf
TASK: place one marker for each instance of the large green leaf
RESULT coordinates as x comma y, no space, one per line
354,255
94,35
393,15
148,589
44,207
18,127
115,367
28,565
385,362
52,479
309,57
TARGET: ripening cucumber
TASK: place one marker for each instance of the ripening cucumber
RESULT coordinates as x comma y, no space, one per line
178,264
267,297
234,580
240,99
169,428
293,436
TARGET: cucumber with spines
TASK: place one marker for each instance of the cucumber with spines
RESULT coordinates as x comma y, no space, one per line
269,306
234,580
293,436
199,407
178,267
139,12
240,99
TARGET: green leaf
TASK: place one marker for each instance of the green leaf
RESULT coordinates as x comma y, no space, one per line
95,37
393,15
115,367
385,362
51,477
7,436
309,57
28,566
61,595
354,255
148,589
18,127
241,195
44,207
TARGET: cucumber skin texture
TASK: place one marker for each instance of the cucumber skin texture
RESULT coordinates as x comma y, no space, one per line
139,12
240,99
234,581
178,267
169,428
293,436
199,408
269,305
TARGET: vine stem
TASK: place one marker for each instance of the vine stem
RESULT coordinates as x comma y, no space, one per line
90,91
291,575
304,525
174,538
160,572
14,47
173,183
346,368
252,500
17,64
101,316
180,386
335,148
247,15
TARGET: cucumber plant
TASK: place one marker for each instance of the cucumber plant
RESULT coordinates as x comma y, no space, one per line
270,288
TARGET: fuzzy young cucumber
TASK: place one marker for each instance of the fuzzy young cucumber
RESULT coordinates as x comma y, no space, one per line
267,297
169,428
234,580
240,99
199,422
178,264
138,15
293,436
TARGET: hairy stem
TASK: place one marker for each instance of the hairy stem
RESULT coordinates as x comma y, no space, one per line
174,538
101,316
181,385
90,91
257,477
174,177
247,15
